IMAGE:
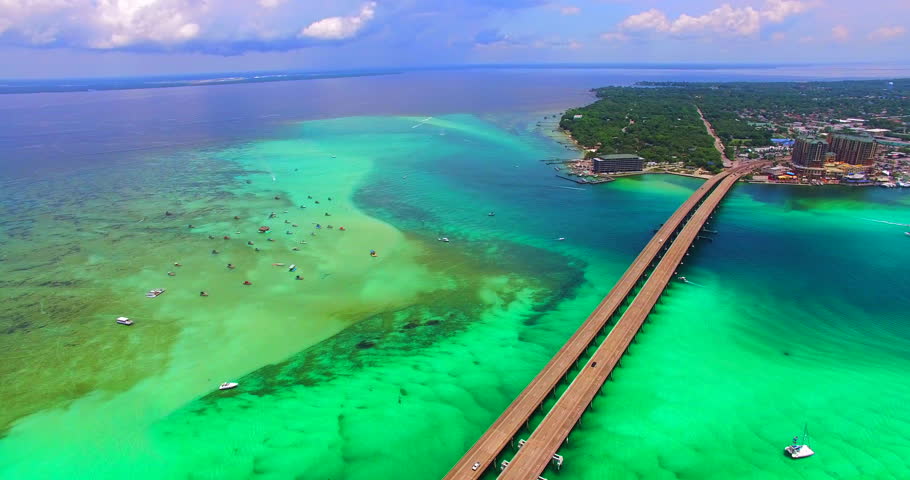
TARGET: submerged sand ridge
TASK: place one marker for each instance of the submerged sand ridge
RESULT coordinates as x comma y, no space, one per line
101,256
119,234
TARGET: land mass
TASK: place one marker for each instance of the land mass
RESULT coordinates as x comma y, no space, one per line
663,121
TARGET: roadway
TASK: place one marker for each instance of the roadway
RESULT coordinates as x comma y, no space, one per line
506,427
535,455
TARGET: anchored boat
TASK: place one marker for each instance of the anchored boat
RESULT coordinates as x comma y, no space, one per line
154,293
800,446
227,385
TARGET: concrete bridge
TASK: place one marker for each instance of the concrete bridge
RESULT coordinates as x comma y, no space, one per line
660,257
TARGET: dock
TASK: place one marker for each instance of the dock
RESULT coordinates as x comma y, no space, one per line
584,181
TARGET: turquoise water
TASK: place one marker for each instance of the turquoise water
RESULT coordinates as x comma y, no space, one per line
392,366
422,345
797,316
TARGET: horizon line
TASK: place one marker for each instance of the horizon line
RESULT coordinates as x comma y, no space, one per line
465,66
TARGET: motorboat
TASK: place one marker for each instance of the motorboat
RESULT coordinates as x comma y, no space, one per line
491,214
124,321
560,239
443,239
154,293
799,448
683,279
292,267
228,385
907,234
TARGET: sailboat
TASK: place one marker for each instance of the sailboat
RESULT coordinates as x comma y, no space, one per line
800,446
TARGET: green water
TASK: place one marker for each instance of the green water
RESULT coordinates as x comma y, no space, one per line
390,367
797,316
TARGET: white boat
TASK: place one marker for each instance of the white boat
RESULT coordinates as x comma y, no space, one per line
154,293
800,446
560,239
907,234
124,321
443,239
889,185
491,214
227,385
292,267
903,184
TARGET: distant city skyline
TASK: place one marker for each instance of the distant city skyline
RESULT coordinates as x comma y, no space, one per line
51,38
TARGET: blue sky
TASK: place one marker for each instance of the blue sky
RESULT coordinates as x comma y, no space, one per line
55,38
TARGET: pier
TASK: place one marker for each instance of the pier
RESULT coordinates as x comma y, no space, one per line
669,245
584,181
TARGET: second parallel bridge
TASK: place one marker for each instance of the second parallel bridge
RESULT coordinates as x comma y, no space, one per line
504,429
533,457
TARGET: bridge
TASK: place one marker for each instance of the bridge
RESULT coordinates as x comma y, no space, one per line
669,245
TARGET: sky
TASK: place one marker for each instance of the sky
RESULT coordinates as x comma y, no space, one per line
88,38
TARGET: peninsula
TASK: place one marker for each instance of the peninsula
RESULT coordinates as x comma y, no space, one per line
808,129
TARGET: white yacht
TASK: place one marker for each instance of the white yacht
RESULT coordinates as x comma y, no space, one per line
124,321
228,385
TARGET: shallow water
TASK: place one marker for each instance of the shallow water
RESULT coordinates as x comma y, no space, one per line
798,318
392,366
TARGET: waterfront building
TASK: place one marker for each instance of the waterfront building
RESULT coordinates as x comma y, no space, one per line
775,171
621,162
853,149
809,152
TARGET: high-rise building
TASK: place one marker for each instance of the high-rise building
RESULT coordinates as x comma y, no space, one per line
853,149
621,162
809,152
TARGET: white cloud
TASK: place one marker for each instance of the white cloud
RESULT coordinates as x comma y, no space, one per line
840,33
129,22
723,20
337,28
777,11
570,10
614,37
887,33
216,26
652,19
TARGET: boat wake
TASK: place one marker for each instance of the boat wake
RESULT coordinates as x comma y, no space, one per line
568,188
887,222
425,120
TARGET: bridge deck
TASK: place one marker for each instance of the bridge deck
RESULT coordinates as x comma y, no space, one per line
533,457
495,439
